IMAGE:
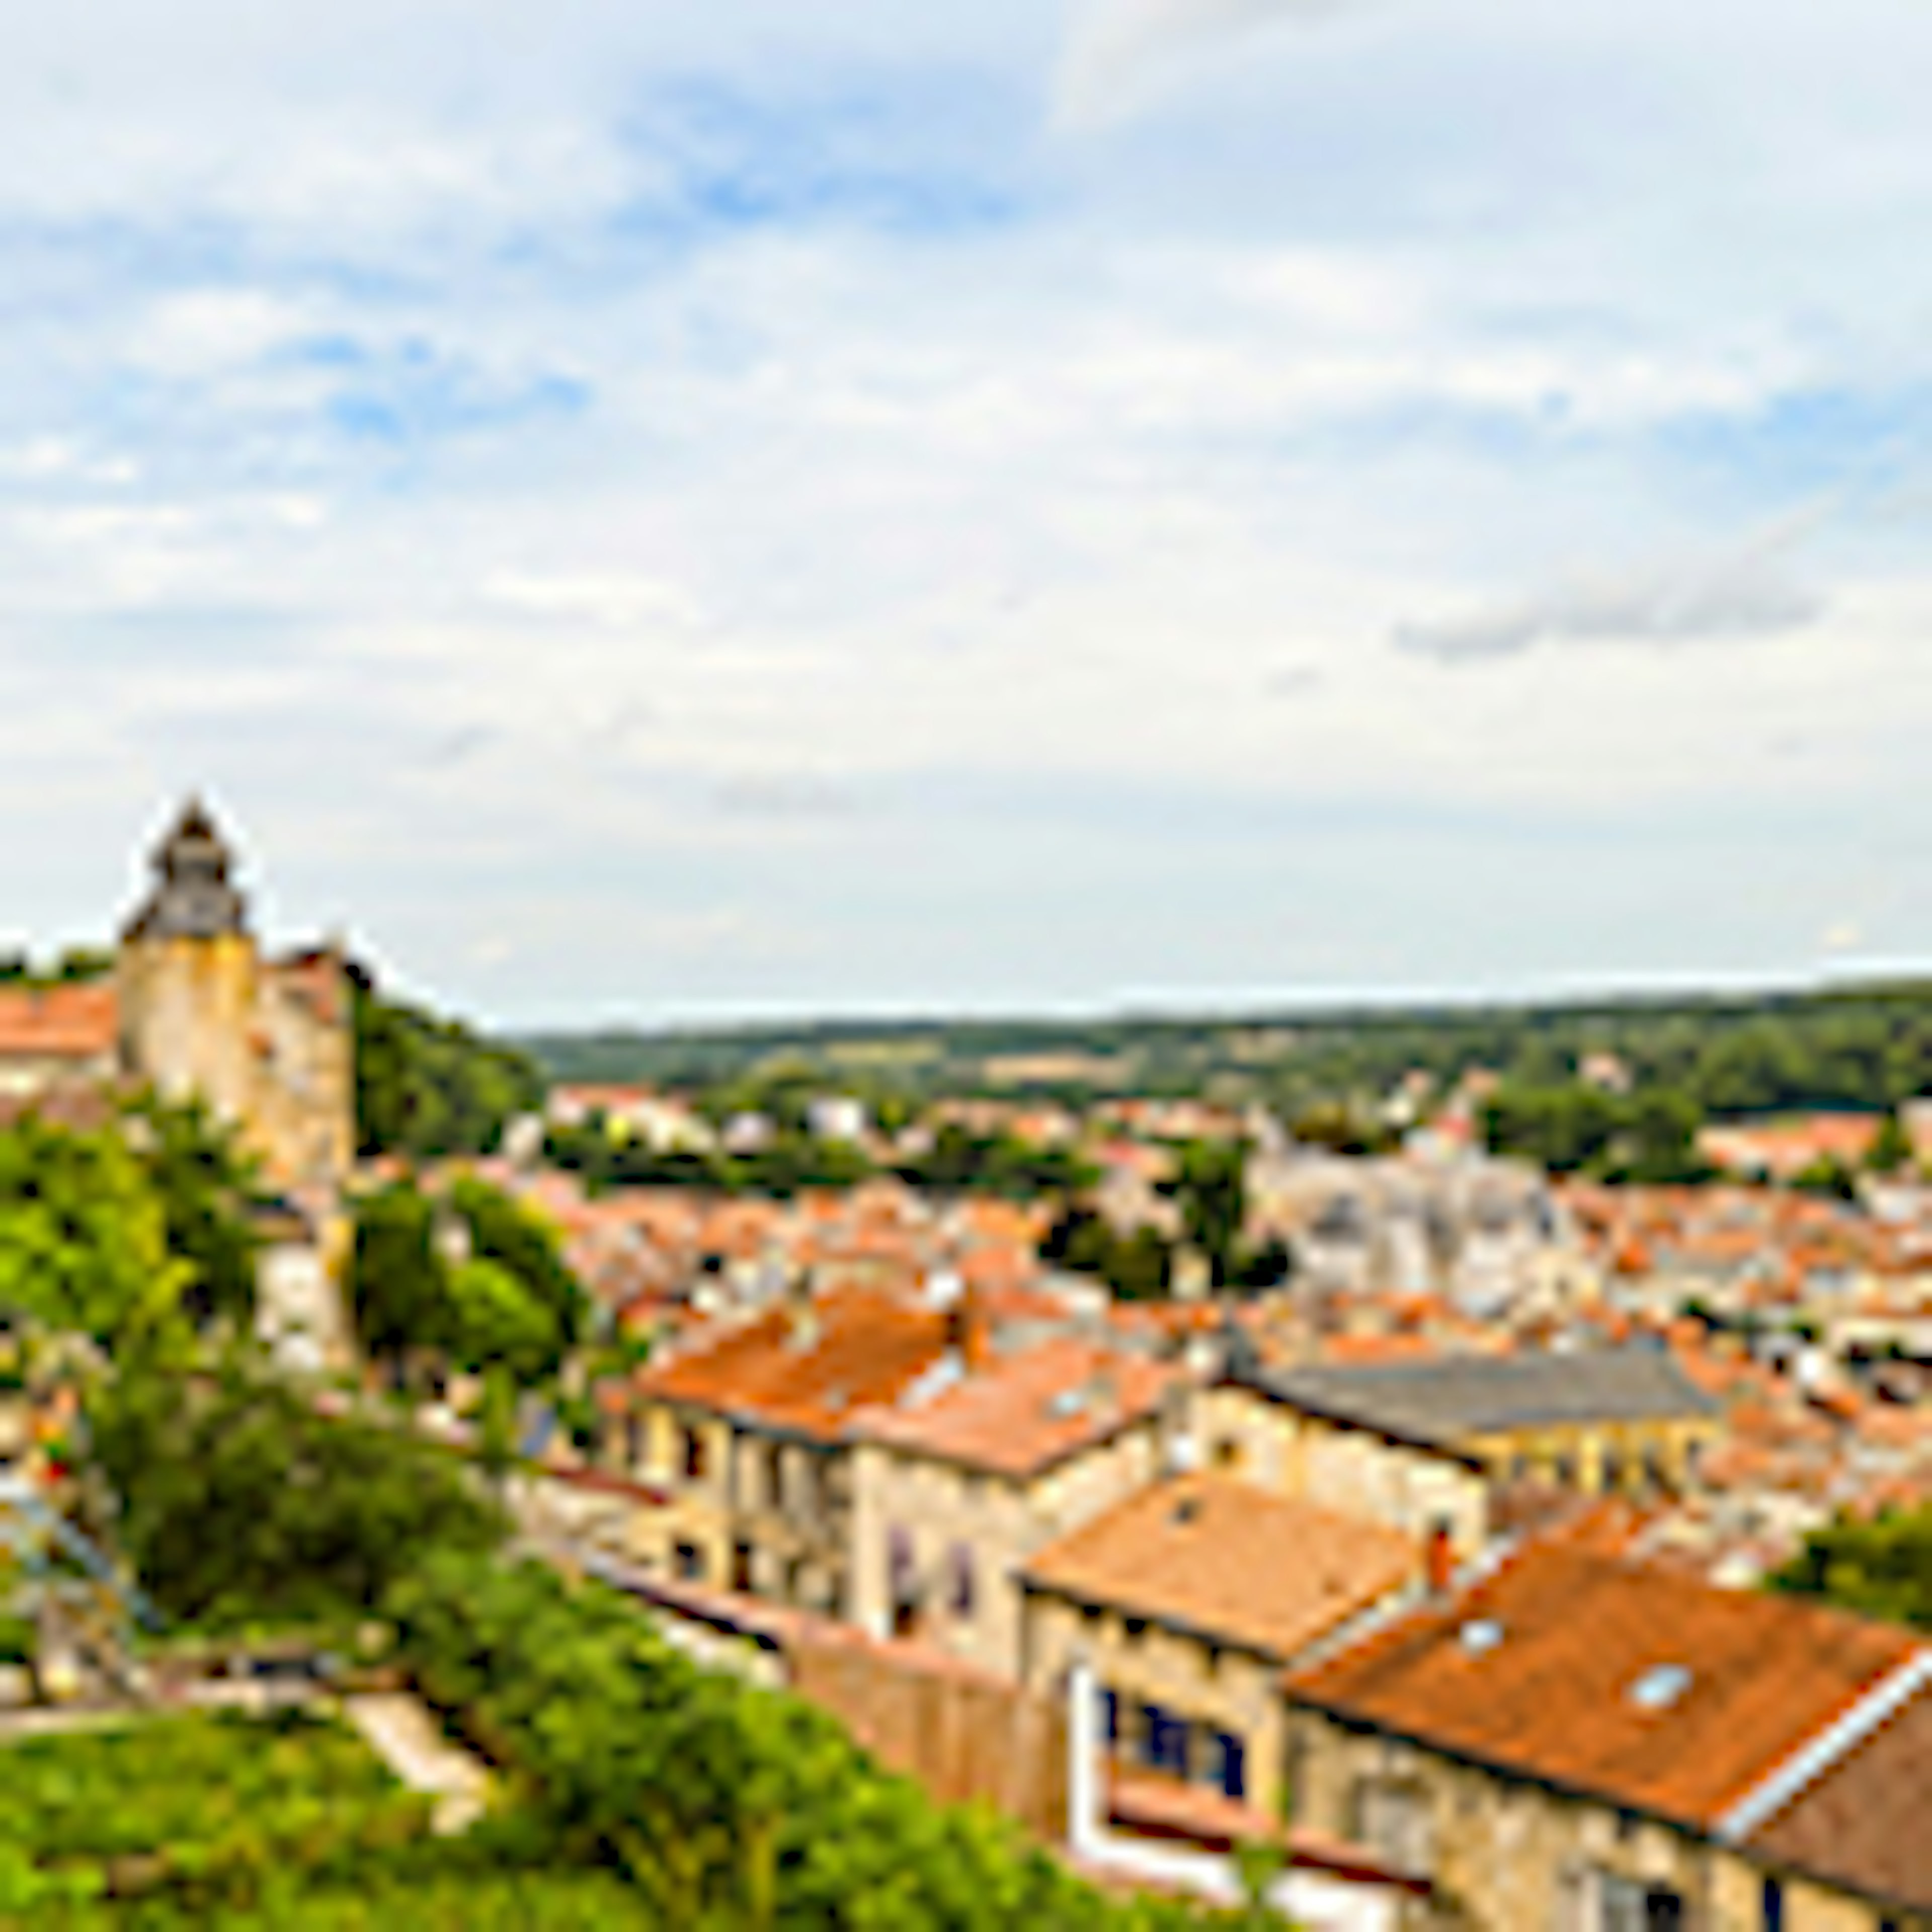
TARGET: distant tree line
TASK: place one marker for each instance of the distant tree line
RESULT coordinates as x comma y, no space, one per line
76,966
1860,1047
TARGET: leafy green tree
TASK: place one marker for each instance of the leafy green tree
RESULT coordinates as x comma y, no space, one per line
1829,1177
429,1087
1879,1567
84,1236
1892,1147
1211,1188
398,1278
492,1321
503,1231
510,1302
207,1187
239,1503
725,1806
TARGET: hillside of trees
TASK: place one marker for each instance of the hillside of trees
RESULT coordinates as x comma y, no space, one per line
1863,1047
426,1086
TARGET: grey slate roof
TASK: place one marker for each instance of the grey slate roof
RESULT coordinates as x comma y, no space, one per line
1448,1401
193,898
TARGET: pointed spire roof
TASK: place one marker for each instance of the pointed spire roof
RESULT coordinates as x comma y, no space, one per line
193,897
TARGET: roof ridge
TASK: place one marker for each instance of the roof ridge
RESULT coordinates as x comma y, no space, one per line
1787,1779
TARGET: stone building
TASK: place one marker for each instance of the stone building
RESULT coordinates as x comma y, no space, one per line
195,1010
1575,1743
267,1044
1624,1420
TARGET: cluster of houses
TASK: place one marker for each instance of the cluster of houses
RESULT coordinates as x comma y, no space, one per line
1393,1609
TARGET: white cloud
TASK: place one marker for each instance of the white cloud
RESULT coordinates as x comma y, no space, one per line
1118,51
665,435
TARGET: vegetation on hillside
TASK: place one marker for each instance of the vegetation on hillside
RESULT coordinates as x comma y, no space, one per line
190,1812
84,1235
78,965
1858,1047
956,1163
240,1505
427,1087
723,1805
469,1281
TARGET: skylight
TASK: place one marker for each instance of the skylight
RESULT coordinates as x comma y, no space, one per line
1480,1636
1660,1687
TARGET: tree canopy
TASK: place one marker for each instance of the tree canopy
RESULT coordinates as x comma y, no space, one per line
429,1087
475,1281
239,1503
84,1234
1879,1567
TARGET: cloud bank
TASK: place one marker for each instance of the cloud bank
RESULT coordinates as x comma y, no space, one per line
770,505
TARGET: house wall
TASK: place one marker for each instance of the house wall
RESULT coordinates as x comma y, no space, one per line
204,1018
25,1075
770,1515
938,1507
1215,1688
1507,1855
1348,1470
1602,1459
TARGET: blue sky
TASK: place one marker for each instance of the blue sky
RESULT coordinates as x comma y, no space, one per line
643,511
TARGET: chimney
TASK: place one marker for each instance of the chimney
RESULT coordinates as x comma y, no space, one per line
1438,1561
801,1322
969,1328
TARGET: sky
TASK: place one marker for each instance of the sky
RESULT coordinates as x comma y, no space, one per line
635,511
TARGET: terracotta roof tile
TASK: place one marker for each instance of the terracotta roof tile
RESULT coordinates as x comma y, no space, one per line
849,1351
1862,1823
1226,1560
76,1022
1020,1414
1533,1671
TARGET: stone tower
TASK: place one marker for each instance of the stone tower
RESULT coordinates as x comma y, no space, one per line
266,1045
188,975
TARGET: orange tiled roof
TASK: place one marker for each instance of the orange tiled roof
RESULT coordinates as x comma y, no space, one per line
1218,1557
1574,1632
77,1022
854,1348
1020,1414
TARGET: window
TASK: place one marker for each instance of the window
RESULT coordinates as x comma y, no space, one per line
960,1567
689,1560
694,1455
1772,1903
1228,1765
1109,1703
1627,1905
902,1581
741,1566
1135,1628
1164,1741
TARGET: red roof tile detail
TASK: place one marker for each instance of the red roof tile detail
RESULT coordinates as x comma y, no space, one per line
1533,1671
78,1022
